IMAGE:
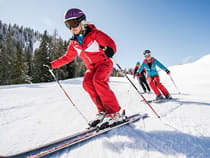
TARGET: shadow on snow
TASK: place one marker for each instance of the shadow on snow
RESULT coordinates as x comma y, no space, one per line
165,142
191,102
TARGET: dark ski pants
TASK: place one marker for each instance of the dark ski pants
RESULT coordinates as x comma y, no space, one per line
144,84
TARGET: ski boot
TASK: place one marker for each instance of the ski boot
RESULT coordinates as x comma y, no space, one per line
168,96
159,97
111,120
99,118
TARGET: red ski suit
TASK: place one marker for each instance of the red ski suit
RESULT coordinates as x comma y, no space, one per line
99,67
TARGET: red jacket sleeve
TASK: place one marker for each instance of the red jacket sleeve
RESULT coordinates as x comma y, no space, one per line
135,70
65,59
104,40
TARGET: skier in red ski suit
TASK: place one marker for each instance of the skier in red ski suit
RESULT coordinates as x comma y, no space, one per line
95,48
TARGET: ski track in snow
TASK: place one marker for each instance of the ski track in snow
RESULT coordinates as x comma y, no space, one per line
31,115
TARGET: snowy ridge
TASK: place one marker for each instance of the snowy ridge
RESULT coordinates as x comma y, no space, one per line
39,113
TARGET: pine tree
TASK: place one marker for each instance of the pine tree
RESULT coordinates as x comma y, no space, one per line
67,71
3,66
19,62
60,49
7,55
28,54
19,68
41,57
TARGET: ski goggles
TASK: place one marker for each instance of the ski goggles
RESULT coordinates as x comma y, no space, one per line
147,55
73,23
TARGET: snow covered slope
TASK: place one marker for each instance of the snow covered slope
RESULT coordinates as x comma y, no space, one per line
31,115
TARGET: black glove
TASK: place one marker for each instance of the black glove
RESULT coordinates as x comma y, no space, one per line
108,51
168,72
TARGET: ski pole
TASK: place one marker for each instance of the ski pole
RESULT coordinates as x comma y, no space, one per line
130,86
174,84
66,94
147,103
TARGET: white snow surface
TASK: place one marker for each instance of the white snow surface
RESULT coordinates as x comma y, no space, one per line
35,114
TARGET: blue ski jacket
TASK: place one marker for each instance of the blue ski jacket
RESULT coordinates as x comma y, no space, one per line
151,67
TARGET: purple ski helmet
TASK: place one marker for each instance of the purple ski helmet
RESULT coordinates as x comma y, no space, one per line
74,13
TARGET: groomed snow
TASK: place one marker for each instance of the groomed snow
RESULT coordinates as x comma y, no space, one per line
31,115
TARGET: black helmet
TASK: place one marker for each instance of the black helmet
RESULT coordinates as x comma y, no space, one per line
147,52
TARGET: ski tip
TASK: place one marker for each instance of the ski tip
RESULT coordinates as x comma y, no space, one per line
144,115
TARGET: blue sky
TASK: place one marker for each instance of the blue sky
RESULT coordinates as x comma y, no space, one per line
176,31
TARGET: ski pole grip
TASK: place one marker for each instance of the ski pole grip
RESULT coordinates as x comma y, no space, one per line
47,66
113,60
51,71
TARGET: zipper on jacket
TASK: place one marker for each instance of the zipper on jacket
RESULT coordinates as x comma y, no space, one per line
85,52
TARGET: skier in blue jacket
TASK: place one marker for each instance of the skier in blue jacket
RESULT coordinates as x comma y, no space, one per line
149,64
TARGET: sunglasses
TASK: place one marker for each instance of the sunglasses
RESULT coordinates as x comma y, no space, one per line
73,23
